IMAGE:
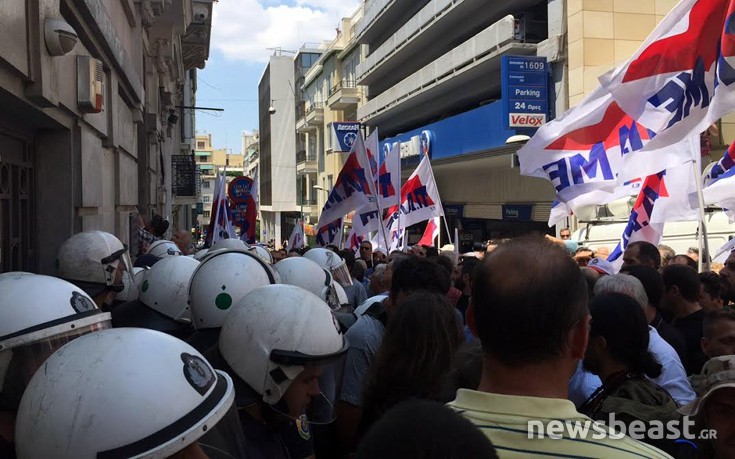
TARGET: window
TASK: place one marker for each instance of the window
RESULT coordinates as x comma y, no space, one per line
308,59
205,199
206,214
200,145
206,184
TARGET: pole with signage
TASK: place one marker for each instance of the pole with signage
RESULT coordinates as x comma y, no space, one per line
525,86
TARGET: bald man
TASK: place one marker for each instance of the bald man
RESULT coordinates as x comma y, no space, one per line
182,239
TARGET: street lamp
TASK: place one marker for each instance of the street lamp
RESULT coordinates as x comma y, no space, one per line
517,139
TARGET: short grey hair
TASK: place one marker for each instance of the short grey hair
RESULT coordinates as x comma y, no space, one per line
379,272
625,284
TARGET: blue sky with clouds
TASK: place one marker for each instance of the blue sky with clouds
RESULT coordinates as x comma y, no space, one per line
241,32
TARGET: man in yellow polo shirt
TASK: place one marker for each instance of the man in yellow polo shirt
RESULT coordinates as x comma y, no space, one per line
529,309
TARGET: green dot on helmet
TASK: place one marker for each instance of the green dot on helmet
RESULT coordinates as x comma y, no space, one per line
223,301
145,286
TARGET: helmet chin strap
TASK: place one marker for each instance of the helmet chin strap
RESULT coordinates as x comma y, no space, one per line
115,288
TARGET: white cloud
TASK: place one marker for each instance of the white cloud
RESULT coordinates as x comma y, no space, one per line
243,29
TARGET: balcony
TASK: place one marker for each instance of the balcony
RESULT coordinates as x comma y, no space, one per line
308,206
315,114
344,95
454,81
305,201
206,169
413,45
311,119
305,162
184,176
381,15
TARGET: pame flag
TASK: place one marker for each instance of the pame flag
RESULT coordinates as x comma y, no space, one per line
640,227
296,241
353,188
593,150
365,220
420,199
719,184
354,241
431,233
389,178
664,197
220,223
682,79
330,234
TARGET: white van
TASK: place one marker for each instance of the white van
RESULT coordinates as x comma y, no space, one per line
680,236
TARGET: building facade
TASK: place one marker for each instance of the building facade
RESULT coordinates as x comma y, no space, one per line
432,75
331,88
280,104
92,98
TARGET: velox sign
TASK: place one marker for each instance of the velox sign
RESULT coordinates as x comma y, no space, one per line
520,120
525,91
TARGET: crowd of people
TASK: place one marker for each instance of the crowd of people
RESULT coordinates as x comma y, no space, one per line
244,352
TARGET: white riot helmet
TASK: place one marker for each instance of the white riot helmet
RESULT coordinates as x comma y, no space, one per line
163,249
163,303
331,262
130,287
277,332
230,243
95,261
200,254
304,273
222,279
263,253
165,287
38,314
127,392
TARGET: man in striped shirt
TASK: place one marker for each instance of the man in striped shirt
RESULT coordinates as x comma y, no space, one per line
529,309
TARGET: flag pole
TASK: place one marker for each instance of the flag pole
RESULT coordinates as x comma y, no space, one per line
439,236
446,225
377,192
704,262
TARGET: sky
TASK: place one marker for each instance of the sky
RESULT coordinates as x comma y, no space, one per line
242,30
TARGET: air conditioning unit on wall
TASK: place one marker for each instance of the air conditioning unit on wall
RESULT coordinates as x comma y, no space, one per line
90,84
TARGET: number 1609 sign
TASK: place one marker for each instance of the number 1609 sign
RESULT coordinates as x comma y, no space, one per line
525,91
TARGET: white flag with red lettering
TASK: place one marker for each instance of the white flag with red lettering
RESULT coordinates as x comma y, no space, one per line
353,189
420,199
431,233
682,78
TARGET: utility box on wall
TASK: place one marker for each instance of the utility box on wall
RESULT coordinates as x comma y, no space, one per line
90,84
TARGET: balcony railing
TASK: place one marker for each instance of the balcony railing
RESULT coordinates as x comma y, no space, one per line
315,106
184,177
303,156
300,110
304,201
344,84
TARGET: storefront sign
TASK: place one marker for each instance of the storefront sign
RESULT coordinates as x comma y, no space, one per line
453,210
525,91
517,212
344,135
